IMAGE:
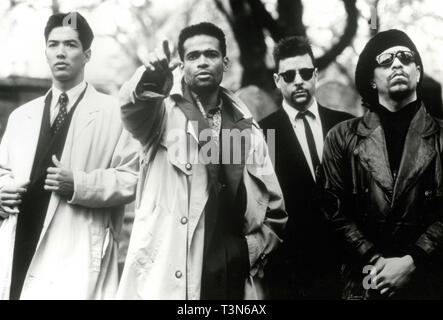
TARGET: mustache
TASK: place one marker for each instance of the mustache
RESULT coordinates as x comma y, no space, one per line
300,90
398,73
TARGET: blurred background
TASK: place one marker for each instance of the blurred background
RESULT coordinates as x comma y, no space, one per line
126,30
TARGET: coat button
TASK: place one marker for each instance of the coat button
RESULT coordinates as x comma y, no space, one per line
188,166
178,274
428,193
184,220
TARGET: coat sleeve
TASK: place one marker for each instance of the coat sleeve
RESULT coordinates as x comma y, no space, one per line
112,186
430,242
6,176
337,198
143,114
263,233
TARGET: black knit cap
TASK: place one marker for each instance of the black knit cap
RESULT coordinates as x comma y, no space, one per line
366,64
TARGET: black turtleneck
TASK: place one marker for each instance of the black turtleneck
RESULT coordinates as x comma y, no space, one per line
395,126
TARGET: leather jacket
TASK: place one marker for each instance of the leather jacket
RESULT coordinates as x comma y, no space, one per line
377,212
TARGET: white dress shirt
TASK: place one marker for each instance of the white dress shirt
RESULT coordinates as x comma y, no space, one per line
299,129
73,95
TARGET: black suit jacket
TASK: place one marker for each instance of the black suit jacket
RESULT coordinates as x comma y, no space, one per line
306,265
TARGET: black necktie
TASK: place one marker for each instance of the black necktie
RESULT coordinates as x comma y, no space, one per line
62,113
310,138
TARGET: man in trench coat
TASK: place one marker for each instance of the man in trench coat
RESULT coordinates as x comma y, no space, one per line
67,168
203,228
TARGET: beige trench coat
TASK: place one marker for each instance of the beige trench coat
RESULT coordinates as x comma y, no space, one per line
76,257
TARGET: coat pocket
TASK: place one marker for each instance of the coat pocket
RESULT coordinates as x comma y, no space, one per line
147,236
258,186
100,244
257,200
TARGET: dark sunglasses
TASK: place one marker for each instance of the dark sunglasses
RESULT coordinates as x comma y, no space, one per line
305,74
386,59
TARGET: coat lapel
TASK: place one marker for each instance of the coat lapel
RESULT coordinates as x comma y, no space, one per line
86,111
418,152
194,124
233,171
33,122
288,149
372,151
240,122
84,115
326,122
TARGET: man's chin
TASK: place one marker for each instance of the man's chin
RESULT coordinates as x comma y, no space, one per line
399,94
203,86
300,103
61,75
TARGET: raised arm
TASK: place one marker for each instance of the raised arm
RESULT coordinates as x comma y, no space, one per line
141,98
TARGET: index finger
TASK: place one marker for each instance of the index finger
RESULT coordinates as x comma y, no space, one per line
166,50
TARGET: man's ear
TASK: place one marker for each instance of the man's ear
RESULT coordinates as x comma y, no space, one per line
87,54
225,64
277,83
181,65
418,73
315,73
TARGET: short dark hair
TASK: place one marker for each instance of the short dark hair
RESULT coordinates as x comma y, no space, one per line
205,28
290,47
82,27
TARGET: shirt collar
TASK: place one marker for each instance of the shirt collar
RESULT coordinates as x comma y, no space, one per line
229,102
292,112
210,112
73,93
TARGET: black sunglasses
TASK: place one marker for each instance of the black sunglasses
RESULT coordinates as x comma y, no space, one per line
386,59
305,74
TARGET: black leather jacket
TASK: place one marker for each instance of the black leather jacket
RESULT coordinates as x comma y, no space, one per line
374,211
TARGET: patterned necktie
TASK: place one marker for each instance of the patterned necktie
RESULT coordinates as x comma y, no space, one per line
310,139
62,113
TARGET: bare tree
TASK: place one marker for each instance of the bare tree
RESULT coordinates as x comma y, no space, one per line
250,20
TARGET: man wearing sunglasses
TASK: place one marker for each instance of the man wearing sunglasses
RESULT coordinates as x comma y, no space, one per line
303,268
384,179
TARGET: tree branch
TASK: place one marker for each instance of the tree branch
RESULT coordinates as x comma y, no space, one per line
222,9
264,19
290,17
346,38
